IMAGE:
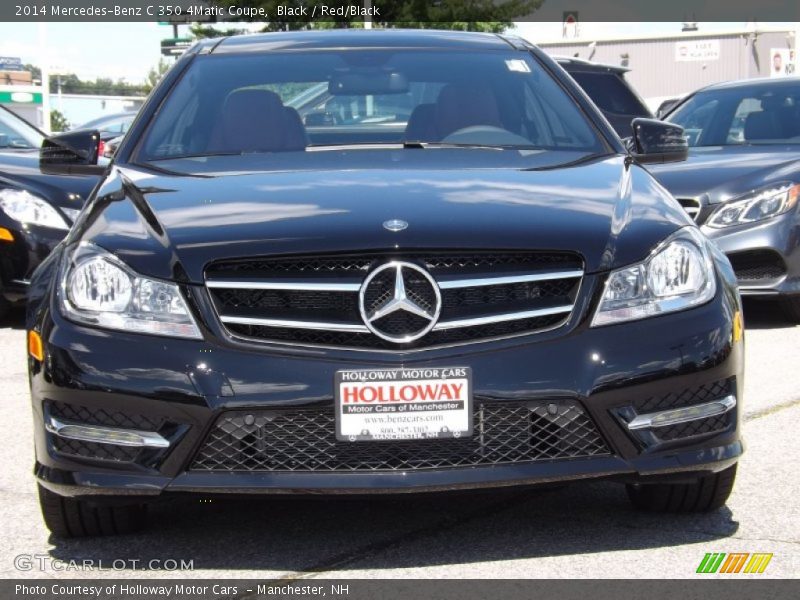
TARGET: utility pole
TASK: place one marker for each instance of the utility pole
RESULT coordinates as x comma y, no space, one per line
44,62
368,15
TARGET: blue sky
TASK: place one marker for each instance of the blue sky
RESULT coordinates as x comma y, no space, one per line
129,50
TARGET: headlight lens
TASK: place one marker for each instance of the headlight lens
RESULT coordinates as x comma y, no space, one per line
677,276
25,207
762,205
99,289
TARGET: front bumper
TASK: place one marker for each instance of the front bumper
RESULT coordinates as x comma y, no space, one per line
184,386
765,255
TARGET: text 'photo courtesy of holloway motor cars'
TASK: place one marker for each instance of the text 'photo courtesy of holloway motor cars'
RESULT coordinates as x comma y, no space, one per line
453,275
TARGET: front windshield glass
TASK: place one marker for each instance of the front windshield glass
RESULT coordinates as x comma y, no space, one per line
15,133
317,100
755,115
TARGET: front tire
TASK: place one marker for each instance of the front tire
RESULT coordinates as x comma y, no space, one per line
71,518
705,494
791,308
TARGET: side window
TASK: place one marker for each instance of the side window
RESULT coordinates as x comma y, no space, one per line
699,121
736,131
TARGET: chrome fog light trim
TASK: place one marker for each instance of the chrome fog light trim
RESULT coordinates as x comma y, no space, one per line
674,416
106,435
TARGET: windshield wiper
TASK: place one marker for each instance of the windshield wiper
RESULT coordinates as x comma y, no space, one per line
422,145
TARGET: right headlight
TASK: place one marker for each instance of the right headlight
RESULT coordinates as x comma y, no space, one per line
99,289
763,204
25,207
678,275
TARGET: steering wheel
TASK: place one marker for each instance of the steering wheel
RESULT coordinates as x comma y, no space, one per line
486,135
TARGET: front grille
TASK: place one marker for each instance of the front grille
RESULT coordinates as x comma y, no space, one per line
693,428
757,265
95,450
688,397
304,439
692,206
314,300
100,416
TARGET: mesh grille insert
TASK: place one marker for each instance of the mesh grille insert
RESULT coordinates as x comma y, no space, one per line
303,439
698,395
100,416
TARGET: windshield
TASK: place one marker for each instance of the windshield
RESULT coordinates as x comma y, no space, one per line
761,114
317,100
16,133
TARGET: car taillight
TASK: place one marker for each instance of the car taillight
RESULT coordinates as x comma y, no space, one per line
101,148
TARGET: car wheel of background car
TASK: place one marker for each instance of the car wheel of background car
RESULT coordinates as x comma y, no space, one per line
68,517
4,306
791,308
707,493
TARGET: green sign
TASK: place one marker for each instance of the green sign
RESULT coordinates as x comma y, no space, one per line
175,46
11,97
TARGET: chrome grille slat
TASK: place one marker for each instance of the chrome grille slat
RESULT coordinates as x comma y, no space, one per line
692,206
484,295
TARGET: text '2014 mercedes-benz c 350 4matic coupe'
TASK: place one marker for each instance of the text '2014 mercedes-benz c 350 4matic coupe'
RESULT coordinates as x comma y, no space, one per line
445,272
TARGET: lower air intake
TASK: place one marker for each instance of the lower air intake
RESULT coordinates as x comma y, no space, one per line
303,439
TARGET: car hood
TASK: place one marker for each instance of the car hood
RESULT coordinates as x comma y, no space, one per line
21,169
172,226
718,173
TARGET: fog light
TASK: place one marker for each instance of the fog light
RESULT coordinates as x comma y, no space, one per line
682,415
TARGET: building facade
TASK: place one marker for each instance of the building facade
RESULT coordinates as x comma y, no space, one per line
670,66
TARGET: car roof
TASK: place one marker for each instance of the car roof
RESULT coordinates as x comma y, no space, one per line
751,83
580,64
362,38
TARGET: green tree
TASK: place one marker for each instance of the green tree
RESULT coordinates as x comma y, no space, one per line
155,74
58,121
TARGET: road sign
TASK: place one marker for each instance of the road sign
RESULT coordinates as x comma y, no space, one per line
570,27
10,63
175,46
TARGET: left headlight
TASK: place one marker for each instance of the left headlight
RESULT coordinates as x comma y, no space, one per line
25,207
678,275
99,289
764,204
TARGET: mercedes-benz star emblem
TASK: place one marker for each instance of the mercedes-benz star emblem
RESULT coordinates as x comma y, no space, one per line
399,302
395,224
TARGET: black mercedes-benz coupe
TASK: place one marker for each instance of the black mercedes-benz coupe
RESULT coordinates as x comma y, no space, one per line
454,276
741,181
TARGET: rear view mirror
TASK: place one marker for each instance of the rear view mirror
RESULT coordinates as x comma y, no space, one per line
362,83
73,152
657,141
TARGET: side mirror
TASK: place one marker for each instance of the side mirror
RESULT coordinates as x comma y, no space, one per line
657,142
71,153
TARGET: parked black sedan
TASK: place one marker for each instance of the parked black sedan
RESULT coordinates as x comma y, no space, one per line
742,180
486,290
36,208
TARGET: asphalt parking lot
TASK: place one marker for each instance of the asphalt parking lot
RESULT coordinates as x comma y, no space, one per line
584,530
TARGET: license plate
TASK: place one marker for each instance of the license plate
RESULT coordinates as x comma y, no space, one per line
403,404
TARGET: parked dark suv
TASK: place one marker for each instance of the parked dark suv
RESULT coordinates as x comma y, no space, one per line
485,289
609,90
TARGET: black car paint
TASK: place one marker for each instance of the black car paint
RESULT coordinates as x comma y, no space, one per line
609,209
